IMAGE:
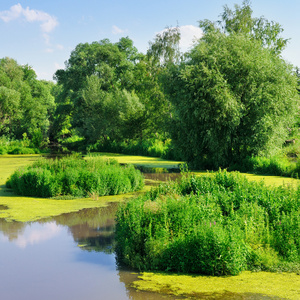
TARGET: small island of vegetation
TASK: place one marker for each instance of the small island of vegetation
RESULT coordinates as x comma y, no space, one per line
218,224
75,177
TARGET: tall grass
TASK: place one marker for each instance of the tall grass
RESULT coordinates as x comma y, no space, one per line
216,225
73,176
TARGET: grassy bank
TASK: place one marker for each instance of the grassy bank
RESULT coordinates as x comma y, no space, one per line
24,209
220,224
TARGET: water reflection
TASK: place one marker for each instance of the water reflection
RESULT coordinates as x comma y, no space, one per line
32,234
11,230
67,257
92,229
156,178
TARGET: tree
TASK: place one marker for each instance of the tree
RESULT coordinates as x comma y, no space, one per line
232,98
25,102
92,87
9,107
106,114
240,21
110,91
165,47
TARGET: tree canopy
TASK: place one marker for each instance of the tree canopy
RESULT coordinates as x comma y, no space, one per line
230,97
241,21
25,102
110,91
233,97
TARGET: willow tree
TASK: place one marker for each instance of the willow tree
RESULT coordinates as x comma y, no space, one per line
234,97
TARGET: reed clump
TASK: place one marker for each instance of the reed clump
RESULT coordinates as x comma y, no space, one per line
74,177
219,224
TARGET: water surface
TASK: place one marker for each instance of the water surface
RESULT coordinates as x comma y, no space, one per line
71,257
67,257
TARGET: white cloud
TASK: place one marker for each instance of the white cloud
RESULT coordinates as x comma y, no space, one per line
189,35
47,22
36,236
49,50
12,14
58,66
60,47
52,48
117,30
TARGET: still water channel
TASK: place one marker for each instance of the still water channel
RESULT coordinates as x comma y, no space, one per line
67,257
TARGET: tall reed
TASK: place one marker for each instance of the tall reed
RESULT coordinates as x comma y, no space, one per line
76,177
216,225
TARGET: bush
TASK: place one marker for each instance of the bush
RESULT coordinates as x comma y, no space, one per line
215,225
24,146
22,150
76,177
3,150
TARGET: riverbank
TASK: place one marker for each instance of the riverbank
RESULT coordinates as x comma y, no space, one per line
154,162
24,209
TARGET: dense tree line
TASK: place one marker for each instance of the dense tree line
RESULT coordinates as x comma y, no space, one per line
231,96
111,91
26,104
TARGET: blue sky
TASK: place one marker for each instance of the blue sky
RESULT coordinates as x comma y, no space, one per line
42,34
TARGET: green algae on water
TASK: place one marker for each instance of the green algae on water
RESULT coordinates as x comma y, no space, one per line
149,162
258,284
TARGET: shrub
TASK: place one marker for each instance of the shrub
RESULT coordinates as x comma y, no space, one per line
21,150
150,147
3,150
76,177
215,225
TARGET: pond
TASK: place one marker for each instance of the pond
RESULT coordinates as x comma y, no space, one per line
67,257
71,257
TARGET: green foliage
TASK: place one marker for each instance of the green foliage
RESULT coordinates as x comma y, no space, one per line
75,177
274,165
97,97
25,102
217,224
154,147
11,146
233,96
241,21
108,113
165,48
232,99
9,105
108,92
